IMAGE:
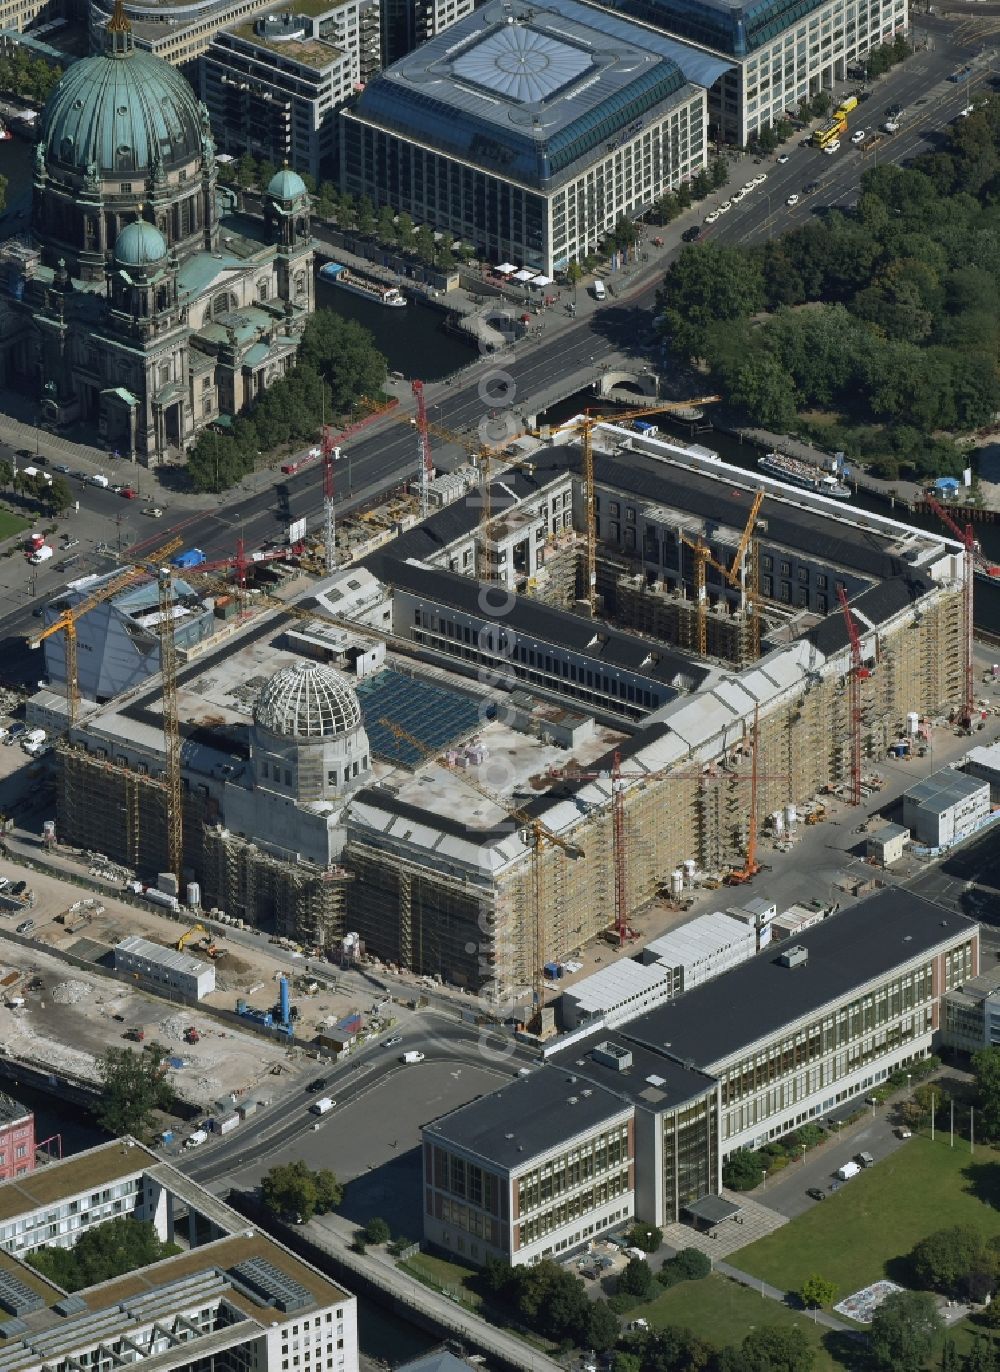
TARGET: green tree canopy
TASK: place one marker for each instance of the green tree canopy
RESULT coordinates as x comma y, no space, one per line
903,1331
603,1327
986,1069
743,1170
818,1292
133,1086
770,1348
294,1191
108,1250
636,1279
706,285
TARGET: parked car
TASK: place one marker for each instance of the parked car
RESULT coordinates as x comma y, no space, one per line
782,159
317,1084
903,1133
725,207
836,1185
153,512
793,199
127,492
810,188
25,927
858,136
62,468
712,216
815,1193
692,234
393,1042
760,178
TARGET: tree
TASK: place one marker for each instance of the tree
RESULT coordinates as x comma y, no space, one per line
603,1327
426,247
385,225
636,1280
903,1330
645,1236
266,172
108,1250
818,1292
692,1264
986,1068
377,1231
573,272
59,497
676,1349
941,1261
364,217
343,353
6,471
329,1192
720,172
704,286
133,1086
765,391
246,171
404,230
294,1191
743,1171
771,1348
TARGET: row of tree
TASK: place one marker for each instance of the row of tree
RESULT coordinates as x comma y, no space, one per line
885,317
28,78
54,496
337,365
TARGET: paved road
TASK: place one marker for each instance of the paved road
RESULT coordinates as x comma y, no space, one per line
274,1128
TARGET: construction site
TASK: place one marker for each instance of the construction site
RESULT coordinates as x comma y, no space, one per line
586,682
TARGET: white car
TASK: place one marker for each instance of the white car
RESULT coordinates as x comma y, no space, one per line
760,178
738,196
750,185
712,217
782,159
793,199
969,109
858,137
725,207
833,147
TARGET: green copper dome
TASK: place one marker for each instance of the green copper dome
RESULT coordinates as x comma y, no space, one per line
121,112
286,185
139,244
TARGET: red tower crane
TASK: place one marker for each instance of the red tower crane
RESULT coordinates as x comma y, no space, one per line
967,537
857,674
423,446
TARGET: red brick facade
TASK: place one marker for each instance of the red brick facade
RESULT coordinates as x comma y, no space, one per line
17,1147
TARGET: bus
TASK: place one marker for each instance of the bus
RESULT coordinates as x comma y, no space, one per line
845,107
829,132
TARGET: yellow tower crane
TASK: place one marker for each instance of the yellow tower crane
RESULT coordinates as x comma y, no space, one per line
735,574
67,620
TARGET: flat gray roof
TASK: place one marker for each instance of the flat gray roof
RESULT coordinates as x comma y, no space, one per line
650,1081
527,1117
755,1001
943,789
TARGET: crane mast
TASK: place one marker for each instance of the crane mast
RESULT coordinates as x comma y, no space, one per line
423,447
967,537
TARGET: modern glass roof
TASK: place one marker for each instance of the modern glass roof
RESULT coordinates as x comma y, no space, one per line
521,63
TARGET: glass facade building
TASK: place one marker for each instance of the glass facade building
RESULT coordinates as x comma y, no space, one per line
540,169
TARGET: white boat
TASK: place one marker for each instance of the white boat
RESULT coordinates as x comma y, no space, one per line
339,275
798,473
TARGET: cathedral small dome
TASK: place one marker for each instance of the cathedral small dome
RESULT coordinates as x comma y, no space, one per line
308,700
286,185
139,244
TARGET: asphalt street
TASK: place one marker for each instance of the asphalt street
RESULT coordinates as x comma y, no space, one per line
288,1119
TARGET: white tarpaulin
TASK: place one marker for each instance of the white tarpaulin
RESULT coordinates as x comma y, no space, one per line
542,281
505,269
523,275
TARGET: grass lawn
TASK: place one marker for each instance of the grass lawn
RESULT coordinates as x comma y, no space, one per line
443,1276
10,524
723,1312
858,1234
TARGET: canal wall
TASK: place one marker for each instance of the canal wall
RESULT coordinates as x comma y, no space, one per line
378,1278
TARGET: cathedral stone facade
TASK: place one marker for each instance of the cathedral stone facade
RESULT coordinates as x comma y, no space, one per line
143,305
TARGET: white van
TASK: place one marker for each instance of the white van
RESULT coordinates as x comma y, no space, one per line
849,1170
599,292
99,479
412,1057
322,1106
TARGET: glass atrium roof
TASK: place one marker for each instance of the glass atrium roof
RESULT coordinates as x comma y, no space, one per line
521,63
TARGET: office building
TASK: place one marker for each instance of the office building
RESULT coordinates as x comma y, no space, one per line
739,1061
231,1299
179,34
971,1014
164,969
17,1138
946,807
535,1169
408,23
273,84
530,131
775,55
